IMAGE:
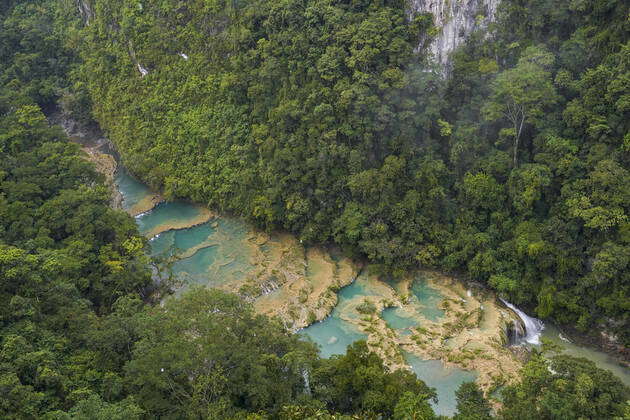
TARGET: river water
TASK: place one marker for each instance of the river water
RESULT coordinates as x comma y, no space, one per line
216,253
601,359
214,249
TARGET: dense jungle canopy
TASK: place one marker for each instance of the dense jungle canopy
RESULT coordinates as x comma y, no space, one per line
328,119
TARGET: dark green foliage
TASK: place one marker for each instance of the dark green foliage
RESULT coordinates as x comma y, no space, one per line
544,228
208,355
357,382
55,210
302,115
563,388
471,404
557,387
65,257
34,60
94,408
316,116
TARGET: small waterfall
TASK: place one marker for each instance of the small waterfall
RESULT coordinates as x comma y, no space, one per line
132,54
533,326
142,70
307,382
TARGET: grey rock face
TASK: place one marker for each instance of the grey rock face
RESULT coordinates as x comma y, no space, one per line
455,19
86,11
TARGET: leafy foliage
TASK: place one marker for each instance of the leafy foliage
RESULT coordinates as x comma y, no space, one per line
318,117
64,259
565,387
471,404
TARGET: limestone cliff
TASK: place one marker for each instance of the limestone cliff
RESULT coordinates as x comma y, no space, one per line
85,10
455,20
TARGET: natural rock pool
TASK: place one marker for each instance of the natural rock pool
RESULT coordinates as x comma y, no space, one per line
341,328
334,334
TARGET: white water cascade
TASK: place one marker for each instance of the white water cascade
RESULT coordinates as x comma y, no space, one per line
533,326
307,382
142,70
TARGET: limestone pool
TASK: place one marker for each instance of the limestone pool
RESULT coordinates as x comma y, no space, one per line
336,332
444,380
211,251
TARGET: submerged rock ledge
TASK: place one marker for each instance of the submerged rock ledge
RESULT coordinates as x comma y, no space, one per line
470,335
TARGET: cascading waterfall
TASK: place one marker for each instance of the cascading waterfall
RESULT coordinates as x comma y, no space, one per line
142,70
533,326
307,382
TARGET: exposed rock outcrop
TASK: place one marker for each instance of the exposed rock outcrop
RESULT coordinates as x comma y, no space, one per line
98,149
85,10
455,21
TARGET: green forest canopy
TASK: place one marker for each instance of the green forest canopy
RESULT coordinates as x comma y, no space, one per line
319,117
400,166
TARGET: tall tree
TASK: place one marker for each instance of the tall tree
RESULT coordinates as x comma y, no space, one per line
522,94
471,404
564,387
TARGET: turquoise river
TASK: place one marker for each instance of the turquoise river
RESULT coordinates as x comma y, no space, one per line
213,252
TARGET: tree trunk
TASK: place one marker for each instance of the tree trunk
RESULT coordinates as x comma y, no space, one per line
518,130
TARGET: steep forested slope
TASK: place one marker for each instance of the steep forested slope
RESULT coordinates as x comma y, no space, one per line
81,338
547,221
65,257
320,117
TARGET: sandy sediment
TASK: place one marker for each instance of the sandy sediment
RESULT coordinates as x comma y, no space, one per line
203,216
277,274
93,144
146,204
299,285
193,250
105,164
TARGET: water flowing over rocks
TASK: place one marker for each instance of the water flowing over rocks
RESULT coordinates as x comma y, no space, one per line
532,327
132,55
455,21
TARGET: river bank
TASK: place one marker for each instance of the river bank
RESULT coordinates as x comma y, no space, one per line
97,149
430,324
